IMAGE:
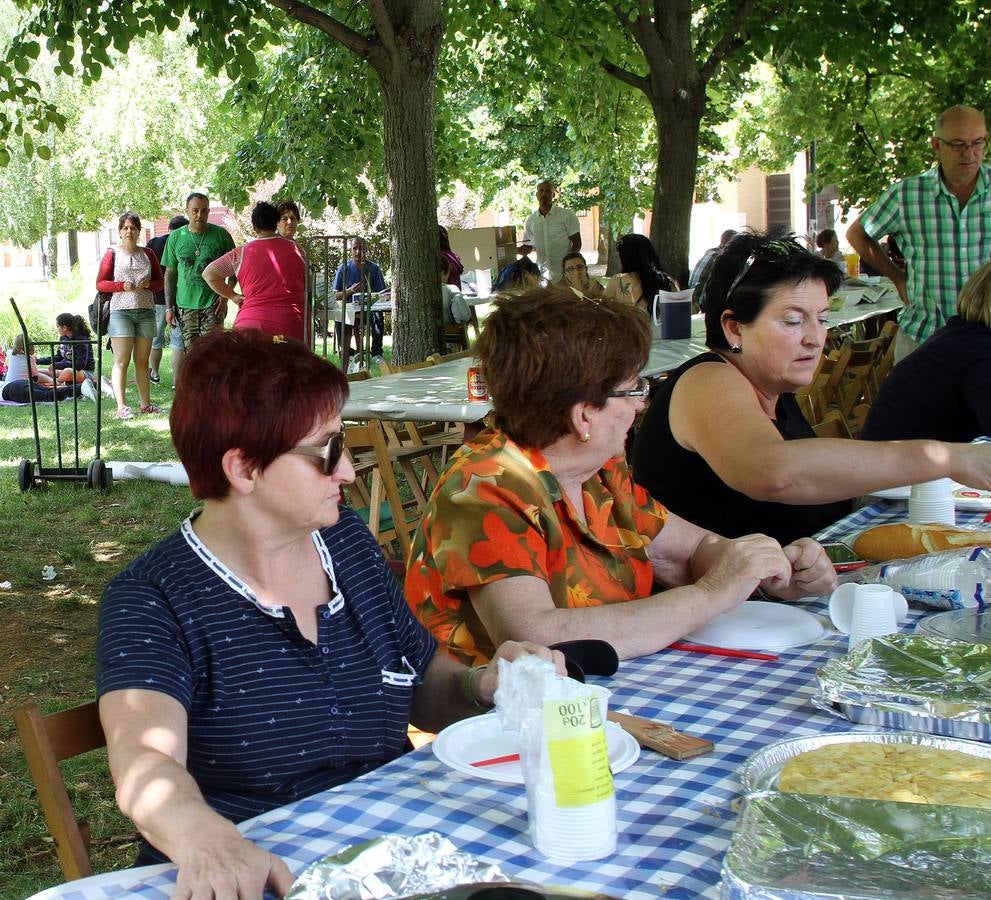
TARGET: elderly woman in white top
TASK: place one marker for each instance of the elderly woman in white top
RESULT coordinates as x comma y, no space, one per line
131,275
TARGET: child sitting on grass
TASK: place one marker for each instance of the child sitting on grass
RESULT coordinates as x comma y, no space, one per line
22,367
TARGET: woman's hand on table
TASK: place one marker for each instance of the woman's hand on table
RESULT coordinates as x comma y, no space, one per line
737,566
812,574
227,865
488,680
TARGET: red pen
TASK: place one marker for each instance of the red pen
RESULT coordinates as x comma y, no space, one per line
722,651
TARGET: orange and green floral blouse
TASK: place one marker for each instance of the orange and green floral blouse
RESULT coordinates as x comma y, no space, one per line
498,511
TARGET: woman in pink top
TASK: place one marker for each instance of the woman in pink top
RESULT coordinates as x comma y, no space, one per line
271,272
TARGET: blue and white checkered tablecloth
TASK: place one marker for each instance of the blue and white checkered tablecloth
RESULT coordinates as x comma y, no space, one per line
675,819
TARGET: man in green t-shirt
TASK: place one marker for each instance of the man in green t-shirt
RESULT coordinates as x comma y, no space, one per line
189,302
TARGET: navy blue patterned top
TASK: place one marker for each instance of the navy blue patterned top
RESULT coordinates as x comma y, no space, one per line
272,717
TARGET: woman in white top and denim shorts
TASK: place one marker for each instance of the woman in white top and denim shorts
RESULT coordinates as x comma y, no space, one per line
131,274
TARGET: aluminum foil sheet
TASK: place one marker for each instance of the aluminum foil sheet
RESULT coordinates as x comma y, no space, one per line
391,867
797,847
913,682
760,772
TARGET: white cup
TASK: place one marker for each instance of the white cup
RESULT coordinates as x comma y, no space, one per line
931,502
842,599
873,613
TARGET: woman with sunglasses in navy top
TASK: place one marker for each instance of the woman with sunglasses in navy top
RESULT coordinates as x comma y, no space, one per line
724,443
264,652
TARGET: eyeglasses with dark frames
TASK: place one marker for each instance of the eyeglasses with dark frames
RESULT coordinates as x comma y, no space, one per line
961,146
640,392
768,252
328,454
578,267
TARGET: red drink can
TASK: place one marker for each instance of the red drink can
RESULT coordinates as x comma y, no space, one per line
477,391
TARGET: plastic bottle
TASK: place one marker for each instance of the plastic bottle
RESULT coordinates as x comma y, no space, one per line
953,579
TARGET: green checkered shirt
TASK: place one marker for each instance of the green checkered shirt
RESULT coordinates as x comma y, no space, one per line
942,244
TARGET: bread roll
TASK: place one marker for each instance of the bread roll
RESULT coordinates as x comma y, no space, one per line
886,542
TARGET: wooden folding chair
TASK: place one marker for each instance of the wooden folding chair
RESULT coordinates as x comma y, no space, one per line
456,335
47,741
833,425
375,493
816,399
854,390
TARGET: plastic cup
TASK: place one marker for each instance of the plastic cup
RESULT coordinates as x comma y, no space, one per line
842,599
872,616
852,264
931,502
576,830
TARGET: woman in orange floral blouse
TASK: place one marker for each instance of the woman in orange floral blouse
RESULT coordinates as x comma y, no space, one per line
536,530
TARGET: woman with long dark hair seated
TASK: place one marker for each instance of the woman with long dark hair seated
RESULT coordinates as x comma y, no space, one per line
641,275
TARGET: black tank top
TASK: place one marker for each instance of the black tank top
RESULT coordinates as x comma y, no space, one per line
684,483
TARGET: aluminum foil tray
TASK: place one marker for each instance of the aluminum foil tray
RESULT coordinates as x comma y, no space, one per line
796,847
761,771
912,682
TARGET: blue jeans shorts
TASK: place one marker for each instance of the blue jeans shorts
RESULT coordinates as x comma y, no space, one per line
132,323
162,331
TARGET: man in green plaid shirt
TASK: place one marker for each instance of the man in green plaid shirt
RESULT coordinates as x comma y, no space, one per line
941,220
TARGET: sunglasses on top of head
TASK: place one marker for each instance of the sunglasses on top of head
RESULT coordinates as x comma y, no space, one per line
329,454
771,251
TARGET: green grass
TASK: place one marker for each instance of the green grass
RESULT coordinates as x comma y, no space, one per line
47,643
47,647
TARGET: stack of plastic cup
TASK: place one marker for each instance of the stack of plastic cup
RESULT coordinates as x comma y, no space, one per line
574,831
873,613
931,502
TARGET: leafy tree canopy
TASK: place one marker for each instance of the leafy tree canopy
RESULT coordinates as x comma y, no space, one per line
119,148
870,113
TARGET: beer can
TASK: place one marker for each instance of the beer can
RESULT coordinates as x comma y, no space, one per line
477,391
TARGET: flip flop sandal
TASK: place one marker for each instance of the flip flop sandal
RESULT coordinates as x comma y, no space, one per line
150,408
125,412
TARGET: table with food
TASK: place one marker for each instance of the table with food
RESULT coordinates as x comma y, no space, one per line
834,769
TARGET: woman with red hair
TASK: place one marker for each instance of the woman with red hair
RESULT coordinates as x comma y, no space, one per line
264,651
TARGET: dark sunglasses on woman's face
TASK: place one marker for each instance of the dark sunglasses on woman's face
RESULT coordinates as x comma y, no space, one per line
328,454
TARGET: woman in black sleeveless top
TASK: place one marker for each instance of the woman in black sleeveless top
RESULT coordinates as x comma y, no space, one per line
724,443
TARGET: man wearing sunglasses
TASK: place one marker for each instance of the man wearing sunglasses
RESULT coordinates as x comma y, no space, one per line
942,221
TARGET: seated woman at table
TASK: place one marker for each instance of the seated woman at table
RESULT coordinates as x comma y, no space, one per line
943,389
641,275
724,443
536,530
263,652
576,276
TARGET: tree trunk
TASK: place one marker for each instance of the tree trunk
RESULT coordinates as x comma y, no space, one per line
73,237
409,100
678,120
53,265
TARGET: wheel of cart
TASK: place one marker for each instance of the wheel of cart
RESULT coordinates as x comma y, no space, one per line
31,473
99,476
25,475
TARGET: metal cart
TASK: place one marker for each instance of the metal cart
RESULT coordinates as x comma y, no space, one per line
32,472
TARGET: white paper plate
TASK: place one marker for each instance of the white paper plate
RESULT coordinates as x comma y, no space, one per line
964,498
760,625
482,737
